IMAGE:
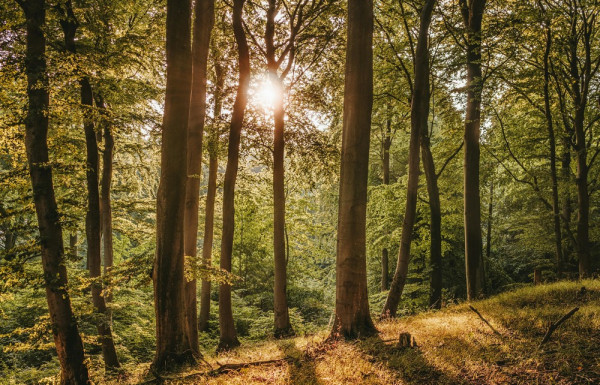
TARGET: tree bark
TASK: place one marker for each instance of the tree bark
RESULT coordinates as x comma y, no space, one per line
280,306
213,153
387,144
105,199
69,26
228,336
172,341
204,18
488,235
67,340
352,317
558,250
435,251
418,117
472,17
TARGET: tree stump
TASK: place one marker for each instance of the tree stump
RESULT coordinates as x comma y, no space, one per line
406,341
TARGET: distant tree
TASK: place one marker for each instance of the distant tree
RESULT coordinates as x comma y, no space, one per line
418,135
93,222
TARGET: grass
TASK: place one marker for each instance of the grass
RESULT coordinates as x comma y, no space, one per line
454,347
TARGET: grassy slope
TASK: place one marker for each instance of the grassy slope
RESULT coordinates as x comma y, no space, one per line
455,347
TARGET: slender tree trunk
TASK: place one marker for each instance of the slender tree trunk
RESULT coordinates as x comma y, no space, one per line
283,326
488,235
579,83
435,252
583,199
387,143
204,18
92,220
228,335
67,340
558,250
208,240
418,117
473,15
105,200
213,153
565,175
73,245
172,341
352,316
280,306
93,233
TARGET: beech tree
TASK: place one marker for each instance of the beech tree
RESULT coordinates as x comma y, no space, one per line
418,137
173,345
69,346
472,13
228,335
93,222
352,317
204,17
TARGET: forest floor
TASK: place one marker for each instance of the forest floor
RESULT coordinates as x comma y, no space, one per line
455,346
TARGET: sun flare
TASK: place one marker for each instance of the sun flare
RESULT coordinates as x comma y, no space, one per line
268,94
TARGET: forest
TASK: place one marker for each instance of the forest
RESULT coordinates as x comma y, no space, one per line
299,192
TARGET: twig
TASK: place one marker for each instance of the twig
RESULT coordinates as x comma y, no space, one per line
555,325
484,320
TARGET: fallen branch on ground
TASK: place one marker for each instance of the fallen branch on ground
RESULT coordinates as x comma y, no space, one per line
555,325
484,320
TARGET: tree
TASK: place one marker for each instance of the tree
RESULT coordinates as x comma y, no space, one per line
69,346
352,317
204,18
213,168
418,135
172,341
228,335
472,13
573,72
93,230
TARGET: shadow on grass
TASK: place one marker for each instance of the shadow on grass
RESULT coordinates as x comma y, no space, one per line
301,368
409,364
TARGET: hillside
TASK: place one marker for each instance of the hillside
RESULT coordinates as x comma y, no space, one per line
454,347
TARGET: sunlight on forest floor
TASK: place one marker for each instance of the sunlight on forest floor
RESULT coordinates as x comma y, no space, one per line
454,346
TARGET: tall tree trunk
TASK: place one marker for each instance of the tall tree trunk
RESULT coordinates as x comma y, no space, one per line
352,317
565,175
558,250
280,306
472,16
387,143
204,19
105,199
172,342
488,234
418,119
92,219
228,336
67,340
208,240
435,252
213,153
579,82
